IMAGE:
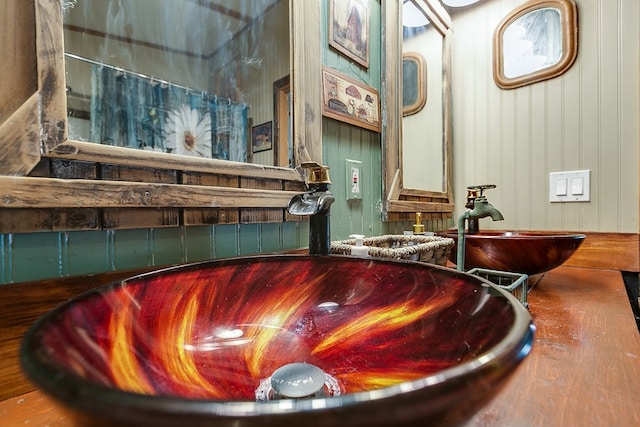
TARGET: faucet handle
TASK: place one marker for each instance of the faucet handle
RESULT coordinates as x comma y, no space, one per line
318,174
481,187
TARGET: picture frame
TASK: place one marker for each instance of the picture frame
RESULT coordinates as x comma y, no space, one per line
349,29
262,137
349,101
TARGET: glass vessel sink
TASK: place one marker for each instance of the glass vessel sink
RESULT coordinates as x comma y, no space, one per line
516,251
396,343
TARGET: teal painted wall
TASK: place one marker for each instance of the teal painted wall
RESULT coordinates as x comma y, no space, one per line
341,141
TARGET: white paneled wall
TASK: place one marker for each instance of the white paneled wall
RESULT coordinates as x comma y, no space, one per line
586,119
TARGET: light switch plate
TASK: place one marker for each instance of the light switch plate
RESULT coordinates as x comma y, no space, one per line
570,186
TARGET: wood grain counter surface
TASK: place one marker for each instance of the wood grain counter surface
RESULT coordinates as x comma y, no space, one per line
583,370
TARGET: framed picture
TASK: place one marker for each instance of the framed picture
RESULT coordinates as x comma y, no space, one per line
350,101
262,137
349,29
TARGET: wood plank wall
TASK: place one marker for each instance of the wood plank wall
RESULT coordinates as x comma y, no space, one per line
22,220
341,141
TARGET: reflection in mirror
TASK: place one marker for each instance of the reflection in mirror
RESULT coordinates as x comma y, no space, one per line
532,42
186,77
459,3
423,150
417,157
414,83
536,41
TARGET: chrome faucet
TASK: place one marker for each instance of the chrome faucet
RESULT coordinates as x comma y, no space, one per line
481,209
316,203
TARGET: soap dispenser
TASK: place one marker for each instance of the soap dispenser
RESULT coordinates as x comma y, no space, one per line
359,249
418,227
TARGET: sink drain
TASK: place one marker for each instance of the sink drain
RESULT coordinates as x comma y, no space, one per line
297,381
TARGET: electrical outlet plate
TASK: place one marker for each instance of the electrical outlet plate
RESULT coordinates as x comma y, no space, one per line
571,186
354,179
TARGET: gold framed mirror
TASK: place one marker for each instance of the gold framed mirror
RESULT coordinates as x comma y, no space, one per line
536,41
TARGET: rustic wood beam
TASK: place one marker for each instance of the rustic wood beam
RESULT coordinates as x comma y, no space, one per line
410,192
27,192
100,153
417,206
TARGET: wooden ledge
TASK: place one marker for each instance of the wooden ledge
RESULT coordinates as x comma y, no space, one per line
613,251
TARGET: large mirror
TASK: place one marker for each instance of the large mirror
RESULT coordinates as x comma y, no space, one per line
180,78
536,41
418,135
423,147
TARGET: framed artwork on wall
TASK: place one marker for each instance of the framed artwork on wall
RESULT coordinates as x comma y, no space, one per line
262,137
350,101
349,29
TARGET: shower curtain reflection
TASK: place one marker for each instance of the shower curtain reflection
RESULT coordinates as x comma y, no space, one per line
130,111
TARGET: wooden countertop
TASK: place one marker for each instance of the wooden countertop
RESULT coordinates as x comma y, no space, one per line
583,370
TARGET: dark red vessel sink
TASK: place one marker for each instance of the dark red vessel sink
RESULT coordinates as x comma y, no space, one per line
404,343
525,252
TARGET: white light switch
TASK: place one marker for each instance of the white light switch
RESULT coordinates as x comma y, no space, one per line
572,186
576,186
561,187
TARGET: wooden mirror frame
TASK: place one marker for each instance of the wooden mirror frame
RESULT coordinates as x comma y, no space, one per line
569,24
402,203
44,176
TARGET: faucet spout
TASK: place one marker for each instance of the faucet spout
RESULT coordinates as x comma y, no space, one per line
310,203
481,209
315,203
496,215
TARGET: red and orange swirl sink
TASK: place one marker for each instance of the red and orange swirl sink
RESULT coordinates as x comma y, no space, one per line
403,343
